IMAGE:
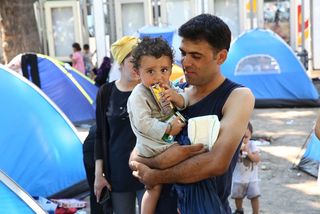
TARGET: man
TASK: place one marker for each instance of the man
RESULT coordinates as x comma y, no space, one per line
203,181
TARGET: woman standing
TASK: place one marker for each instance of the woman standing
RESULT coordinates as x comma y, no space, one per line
114,137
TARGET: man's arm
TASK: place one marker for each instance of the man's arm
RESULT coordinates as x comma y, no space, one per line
236,113
172,156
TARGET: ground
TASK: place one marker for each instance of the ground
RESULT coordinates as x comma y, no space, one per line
284,190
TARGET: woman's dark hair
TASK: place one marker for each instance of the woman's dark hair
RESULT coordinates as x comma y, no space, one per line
209,28
76,46
155,47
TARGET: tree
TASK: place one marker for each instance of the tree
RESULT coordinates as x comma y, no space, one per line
18,28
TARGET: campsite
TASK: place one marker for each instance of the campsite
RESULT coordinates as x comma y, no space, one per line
284,189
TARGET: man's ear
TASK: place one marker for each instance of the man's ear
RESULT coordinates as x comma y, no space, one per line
222,56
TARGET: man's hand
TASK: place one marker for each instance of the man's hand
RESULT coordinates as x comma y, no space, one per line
143,173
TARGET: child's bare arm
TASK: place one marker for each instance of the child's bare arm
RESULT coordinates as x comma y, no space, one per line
253,156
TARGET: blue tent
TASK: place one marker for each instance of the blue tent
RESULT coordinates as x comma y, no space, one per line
14,200
73,92
39,146
262,61
310,161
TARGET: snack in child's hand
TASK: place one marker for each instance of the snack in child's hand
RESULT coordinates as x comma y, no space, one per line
166,107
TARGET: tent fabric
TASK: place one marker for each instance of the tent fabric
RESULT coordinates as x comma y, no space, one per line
39,146
72,91
262,61
13,199
153,32
310,161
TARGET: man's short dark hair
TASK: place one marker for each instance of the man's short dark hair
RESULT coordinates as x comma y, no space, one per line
156,47
209,28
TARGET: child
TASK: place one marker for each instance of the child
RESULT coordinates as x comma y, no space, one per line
77,58
245,176
87,59
152,59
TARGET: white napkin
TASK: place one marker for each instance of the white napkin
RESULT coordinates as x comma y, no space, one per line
204,129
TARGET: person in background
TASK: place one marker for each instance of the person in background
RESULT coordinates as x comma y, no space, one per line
276,27
77,58
245,181
102,73
114,137
87,59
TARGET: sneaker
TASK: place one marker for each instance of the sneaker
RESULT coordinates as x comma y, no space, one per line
238,212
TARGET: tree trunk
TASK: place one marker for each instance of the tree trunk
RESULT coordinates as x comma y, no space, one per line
18,28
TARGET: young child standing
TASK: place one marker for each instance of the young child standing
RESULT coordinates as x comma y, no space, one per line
87,59
152,59
245,180
77,58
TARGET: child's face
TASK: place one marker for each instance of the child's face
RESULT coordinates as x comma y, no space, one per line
247,136
154,70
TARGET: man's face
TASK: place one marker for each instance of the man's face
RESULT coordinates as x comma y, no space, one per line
199,61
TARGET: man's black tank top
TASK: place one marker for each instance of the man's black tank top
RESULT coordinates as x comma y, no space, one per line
212,105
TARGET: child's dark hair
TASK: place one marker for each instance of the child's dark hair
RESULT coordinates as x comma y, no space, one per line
156,47
250,127
86,47
209,28
76,46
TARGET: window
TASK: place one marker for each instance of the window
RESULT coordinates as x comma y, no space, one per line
257,64
63,27
132,15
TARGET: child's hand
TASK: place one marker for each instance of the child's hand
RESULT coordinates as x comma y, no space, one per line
171,95
245,147
176,126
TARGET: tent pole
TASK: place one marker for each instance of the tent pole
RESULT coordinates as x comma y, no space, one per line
251,14
295,164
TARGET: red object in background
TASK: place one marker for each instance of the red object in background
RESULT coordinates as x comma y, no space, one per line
61,210
306,22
